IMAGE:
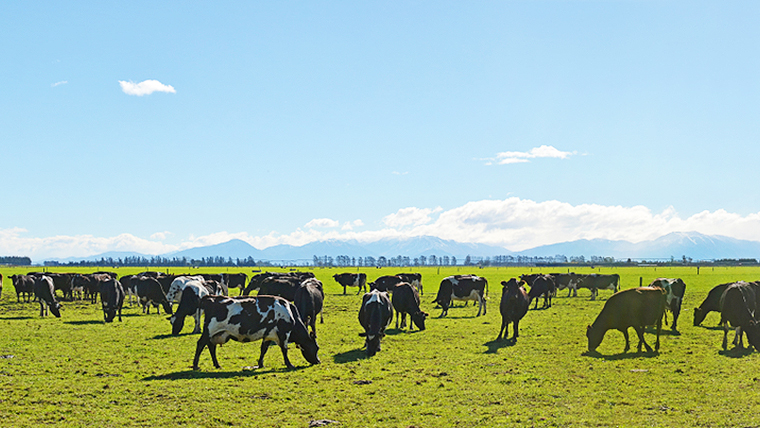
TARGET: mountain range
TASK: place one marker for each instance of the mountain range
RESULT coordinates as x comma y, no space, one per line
674,245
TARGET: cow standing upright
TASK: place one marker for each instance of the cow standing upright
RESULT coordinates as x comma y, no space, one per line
462,288
352,280
406,300
710,304
513,307
596,282
375,315
44,290
246,319
24,285
566,280
309,299
738,308
635,307
415,279
111,299
149,292
258,279
235,280
542,285
675,289
386,283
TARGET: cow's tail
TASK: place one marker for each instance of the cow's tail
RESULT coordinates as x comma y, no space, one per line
486,287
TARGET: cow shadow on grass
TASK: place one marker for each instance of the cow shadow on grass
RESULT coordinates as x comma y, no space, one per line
85,322
227,374
169,335
496,344
350,356
15,318
717,327
621,356
736,352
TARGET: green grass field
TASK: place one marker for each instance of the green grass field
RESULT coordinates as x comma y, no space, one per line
77,371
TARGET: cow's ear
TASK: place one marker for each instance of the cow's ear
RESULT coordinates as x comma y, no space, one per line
363,334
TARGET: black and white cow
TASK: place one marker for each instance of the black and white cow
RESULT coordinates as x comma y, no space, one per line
676,288
513,307
375,315
216,287
178,285
566,280
463,288
309,299
385,283
415,279
352,280
247,319
44,290
90,284
149,292
129,288
235,280
189,304
596,282
406,300
111,299
24,285
738,308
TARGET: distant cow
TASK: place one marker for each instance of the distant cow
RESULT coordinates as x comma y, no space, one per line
352,280
61,281
90,284
246,319
129,288
635,307
462,288
415,279
543,285
375,315
309,299
566,280
513,307
24,285
44,290
190,304
235,280
149,292
738,307
216,287
675,288
258,279
596,282
710,304
385,283
111,299
406,300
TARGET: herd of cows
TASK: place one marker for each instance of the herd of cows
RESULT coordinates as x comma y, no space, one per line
286,306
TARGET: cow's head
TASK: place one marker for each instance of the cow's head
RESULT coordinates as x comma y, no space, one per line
177,323
595,336
753,334
55,308
699,316
418,319
167,307
304,341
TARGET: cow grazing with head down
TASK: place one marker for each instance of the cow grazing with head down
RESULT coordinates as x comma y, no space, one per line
149,292
462,288
385,283
635,307
738,307
352,280
406,300
111,299
309,299
542,285
44,290
596,282
247,319
710,304
513,307
415,279
24,285
675,289
189,304
375,315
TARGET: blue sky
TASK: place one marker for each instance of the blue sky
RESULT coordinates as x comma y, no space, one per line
508,123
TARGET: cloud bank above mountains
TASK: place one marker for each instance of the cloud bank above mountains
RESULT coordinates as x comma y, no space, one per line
513,223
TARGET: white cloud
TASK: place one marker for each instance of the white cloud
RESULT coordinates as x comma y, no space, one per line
160,236
322,222
349,225
62,82
505,158
410,216
146,87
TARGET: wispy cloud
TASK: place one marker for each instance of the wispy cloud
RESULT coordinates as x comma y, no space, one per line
410,216
146,87
322,222
544,151
400,173
62,82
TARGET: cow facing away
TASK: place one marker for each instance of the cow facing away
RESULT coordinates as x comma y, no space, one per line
352,280
375,315
247,319
710,304
111,299
406,300
675,289
513,307
738,307
462,288
189,304
543,285
635,307
44,290
309,299
235,280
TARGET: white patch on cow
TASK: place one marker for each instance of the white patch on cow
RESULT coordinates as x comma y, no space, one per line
356,281
221,331
474,295
179,284
453,280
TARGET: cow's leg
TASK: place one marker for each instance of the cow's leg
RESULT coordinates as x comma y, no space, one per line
119,313
659,329
725,334
504,324
640,333
197,328
676,311
483,304
41,309
627,340
738,338
593,293
264,347
344,289
397,318
284,349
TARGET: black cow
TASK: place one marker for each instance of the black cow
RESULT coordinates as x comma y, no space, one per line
676,288
513,307
90,284
24,285
61,281
284,286
216,287
128,286
246,319
352,280
150,292
257,280
406,300
111,298
235,280
543,285
596,282
710,304
375,315
385,283
738,307
44,290
412,278
309,299
462,287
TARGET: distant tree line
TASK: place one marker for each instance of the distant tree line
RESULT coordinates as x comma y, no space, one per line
164,261
382,261
13,260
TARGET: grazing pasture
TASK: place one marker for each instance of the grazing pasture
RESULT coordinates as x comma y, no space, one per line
78,371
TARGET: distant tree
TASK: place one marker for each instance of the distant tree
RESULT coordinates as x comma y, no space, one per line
467,260
453,261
